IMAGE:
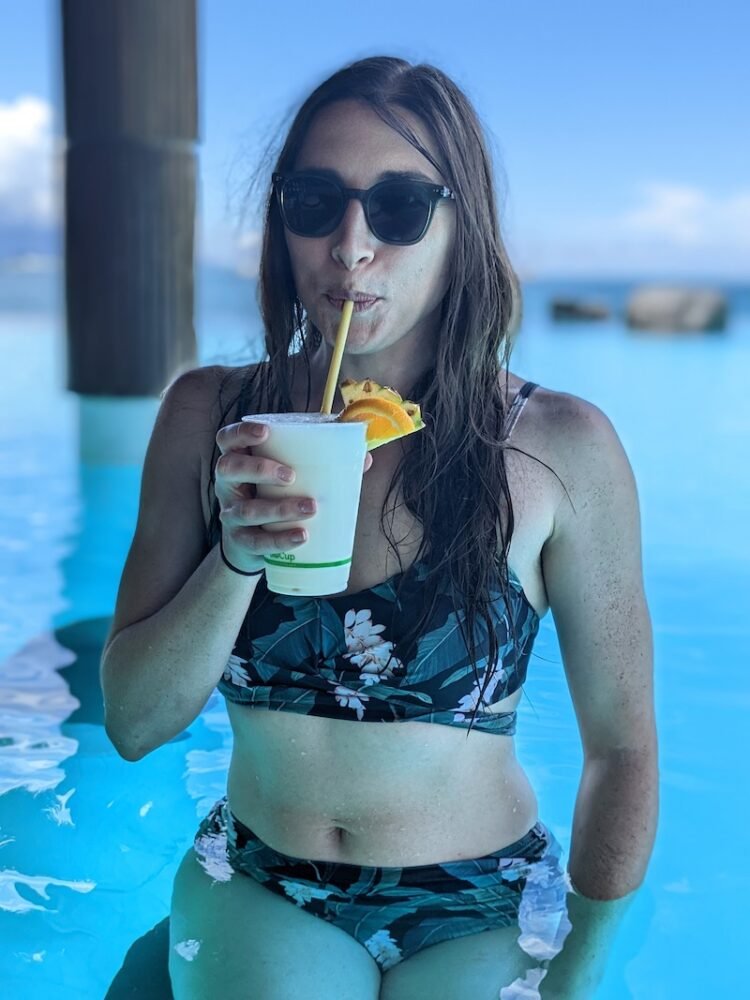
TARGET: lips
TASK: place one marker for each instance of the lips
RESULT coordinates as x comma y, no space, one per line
350,293
360,299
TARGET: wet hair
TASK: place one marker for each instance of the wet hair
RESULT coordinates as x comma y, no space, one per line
451,475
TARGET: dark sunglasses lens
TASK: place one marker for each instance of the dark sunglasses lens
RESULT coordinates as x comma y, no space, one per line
311,205
399,211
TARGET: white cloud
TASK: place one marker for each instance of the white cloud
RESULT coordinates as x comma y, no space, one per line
688,216
672,228
227,246
28,163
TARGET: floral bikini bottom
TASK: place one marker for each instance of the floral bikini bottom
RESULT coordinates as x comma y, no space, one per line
395,912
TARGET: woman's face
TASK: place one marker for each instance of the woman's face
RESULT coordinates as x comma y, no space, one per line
409,282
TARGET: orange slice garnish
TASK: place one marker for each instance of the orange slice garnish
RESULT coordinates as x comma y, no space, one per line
386,421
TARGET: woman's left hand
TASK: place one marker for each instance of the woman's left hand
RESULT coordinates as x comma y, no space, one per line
578,968
560,985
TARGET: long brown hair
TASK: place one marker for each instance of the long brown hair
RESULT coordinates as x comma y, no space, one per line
452,474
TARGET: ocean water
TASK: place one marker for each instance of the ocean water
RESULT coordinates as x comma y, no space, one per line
89,843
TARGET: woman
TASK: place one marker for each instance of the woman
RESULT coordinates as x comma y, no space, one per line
392,861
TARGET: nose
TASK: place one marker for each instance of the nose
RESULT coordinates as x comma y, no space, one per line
354,243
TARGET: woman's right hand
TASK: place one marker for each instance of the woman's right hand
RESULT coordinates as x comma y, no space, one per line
242,512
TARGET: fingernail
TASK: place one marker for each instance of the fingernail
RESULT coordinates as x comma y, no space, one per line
257,430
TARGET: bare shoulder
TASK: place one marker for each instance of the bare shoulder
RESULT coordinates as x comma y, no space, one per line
569,413
197,392
558,414
198,403
576,439
592,460
170,537
195,404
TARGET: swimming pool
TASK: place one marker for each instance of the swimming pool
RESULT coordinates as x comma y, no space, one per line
89,843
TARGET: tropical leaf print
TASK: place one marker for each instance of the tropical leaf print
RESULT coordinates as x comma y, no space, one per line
332,657
236,673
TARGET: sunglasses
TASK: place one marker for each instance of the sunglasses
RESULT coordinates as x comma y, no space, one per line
397,211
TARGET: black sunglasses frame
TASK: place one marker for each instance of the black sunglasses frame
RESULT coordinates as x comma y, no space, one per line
435,192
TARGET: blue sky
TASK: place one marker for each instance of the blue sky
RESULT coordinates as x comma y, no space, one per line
621,130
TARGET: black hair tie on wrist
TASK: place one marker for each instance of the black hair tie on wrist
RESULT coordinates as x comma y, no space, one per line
234,569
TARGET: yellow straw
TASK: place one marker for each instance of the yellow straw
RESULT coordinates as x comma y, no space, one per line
338,353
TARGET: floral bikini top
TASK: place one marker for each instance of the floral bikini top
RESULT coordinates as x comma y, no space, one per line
335,656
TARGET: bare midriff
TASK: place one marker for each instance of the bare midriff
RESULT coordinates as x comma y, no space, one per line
394,794
375,793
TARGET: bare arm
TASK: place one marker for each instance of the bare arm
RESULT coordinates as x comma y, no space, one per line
158,673
594,580
179,608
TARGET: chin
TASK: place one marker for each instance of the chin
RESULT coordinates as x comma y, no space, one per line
358,341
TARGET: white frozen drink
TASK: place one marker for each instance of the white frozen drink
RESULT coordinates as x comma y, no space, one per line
328,458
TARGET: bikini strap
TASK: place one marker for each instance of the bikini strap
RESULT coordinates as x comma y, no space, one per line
516,406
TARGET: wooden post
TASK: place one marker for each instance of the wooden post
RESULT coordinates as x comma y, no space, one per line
129,69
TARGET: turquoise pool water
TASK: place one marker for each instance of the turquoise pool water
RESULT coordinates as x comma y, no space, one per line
89,843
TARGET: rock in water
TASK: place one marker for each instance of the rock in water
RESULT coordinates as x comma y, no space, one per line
572,309
676,309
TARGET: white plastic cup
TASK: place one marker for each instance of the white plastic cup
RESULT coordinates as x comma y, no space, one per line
329,459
